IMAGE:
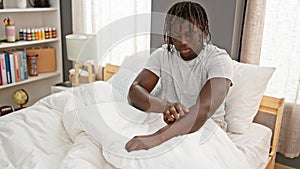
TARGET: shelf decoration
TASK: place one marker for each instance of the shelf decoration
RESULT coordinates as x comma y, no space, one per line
20,97
10,30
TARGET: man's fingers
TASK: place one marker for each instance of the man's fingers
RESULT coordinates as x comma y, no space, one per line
182,110
179,109
174,113
186,110
169,116
132,145
129,146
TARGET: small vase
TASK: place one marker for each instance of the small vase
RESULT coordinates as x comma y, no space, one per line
10,31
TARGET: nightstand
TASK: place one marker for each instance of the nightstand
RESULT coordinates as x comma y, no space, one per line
61,87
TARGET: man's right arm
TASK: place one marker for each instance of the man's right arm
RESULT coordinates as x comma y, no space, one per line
139,97
139,93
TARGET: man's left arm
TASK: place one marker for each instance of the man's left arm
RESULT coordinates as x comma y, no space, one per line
209,99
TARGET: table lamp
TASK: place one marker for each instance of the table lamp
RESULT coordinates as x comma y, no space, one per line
80,49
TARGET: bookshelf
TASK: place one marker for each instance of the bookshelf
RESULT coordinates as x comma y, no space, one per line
36,86
30,10
31,79
7,45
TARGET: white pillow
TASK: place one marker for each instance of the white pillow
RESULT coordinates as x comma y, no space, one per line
129,69
135,62
122,80
243,99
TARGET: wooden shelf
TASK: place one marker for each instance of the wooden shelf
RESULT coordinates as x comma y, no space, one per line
40,76
37,86
16,10
4,45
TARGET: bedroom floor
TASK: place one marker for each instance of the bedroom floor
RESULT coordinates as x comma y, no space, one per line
281,166
290,162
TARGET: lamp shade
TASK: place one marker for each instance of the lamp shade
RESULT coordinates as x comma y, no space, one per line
81,47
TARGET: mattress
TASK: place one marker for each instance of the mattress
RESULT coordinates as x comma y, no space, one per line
253,143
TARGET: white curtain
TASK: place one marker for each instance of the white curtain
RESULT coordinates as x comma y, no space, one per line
122,26
281,48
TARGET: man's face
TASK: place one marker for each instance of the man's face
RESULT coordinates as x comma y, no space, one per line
187,39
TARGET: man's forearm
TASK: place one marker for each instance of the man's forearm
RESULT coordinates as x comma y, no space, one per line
141,99
207,103
190,123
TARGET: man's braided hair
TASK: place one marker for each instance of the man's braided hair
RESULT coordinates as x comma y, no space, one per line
186,11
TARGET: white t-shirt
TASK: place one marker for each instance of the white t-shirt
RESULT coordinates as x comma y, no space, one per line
181,81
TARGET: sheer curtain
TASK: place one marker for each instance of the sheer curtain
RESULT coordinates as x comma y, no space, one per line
279,42
280,48
122,27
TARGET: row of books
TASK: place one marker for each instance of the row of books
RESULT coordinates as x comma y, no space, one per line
13,66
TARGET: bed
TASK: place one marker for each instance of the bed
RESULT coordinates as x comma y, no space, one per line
66,130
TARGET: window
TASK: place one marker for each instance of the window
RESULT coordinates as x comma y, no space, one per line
281,47
118,24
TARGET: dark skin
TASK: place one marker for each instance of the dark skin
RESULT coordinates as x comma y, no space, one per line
179,119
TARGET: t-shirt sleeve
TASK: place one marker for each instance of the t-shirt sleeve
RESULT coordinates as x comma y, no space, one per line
220,65
154,62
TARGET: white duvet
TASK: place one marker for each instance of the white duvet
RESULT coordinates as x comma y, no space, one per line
87,127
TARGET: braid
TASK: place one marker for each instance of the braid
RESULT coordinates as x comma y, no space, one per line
189,11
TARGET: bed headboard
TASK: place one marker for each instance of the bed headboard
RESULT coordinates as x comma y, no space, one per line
109,71
273,106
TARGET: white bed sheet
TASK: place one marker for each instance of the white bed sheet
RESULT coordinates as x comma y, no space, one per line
47,135
207,148
36,137
254,143
33,138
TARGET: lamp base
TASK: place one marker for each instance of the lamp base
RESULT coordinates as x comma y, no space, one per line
91,75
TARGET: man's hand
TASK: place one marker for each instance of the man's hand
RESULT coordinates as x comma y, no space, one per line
143,142
173,112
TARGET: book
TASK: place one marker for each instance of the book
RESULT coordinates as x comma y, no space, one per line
17,65
7,66
1,83
3,68
12,67
20,58
0,75
23,65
